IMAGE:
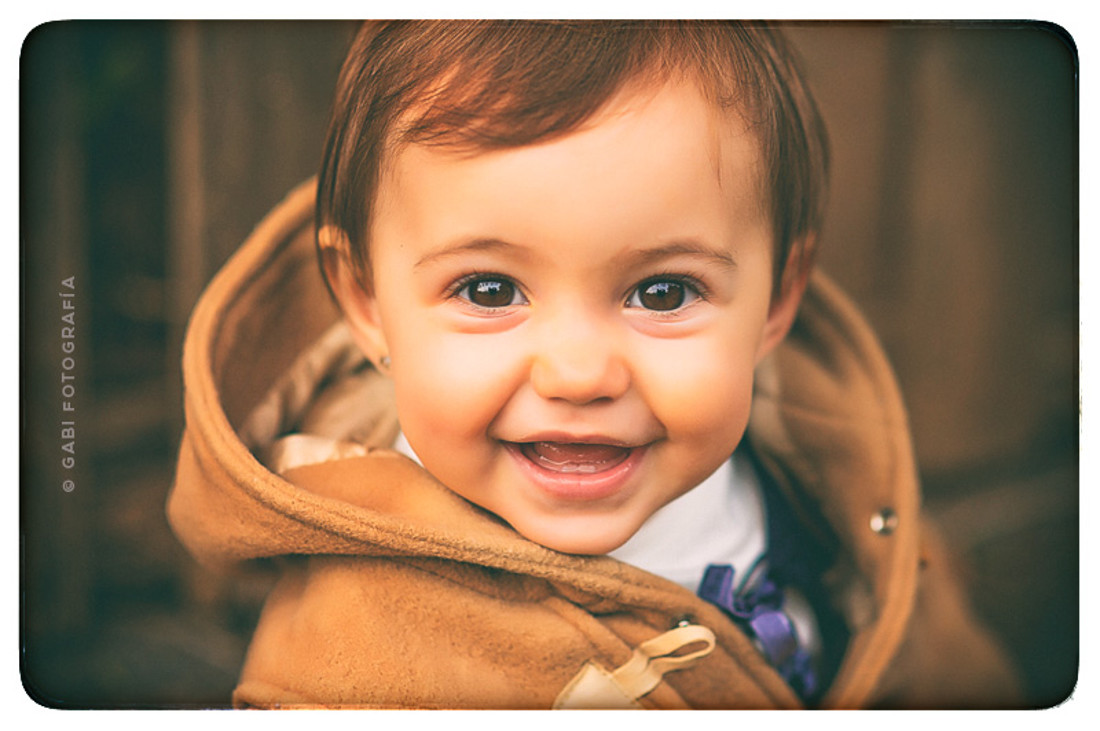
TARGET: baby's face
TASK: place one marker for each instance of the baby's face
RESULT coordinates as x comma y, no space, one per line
574,325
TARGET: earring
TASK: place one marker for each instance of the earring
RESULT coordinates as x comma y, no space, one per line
384,362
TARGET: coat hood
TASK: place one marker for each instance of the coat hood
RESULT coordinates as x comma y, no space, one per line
266,357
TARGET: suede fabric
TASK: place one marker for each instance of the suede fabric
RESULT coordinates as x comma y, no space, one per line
397,593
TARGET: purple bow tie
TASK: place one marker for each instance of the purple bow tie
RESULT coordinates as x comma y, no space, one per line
757,606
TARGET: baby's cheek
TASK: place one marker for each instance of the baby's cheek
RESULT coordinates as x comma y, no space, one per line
717,416
452,391
702,392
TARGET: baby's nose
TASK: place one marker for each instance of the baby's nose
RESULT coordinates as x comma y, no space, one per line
580,364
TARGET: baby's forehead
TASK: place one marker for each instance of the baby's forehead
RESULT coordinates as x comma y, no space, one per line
693,110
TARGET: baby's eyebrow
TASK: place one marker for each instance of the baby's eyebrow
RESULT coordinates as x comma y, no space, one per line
684,247
639,257
466,247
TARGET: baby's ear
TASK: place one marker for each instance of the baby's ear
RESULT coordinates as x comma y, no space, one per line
785,302
358,304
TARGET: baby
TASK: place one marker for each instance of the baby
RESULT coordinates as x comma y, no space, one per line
586,461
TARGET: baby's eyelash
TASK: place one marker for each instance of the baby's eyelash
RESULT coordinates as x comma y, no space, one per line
466,279
694,283
506,291
667,296
459,284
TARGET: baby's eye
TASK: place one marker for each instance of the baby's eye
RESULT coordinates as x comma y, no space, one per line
662,295
491,292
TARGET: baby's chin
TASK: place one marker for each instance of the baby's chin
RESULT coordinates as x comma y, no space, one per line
581,537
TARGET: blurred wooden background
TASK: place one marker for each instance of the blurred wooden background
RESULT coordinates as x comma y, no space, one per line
150,150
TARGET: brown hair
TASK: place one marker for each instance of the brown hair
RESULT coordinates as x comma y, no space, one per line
481,85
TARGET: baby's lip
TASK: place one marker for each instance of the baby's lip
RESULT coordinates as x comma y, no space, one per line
564,438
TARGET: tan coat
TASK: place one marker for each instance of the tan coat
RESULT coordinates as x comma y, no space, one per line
398,593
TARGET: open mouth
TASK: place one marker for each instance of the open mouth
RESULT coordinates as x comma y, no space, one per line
577,471
574,458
